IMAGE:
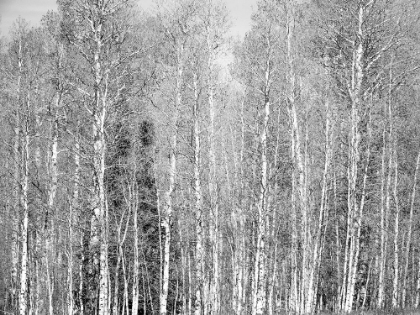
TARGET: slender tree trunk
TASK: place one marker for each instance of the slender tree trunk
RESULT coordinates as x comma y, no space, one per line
16,216
409,233
366,286
301,282
121,236
317,245
199,248
383,246
238,223
81,278
52,190
126,309
338,247
100,217
70,285
168,195
115,307
386,199
134,207
23,295
214,203
354,209
190,287
167,221
417,303
16,212
184,271
272,280
73,204
395,286
260,275
356,249
100,214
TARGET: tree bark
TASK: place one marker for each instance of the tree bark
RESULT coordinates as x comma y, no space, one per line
395,286
409,233
354,217
214,203
16,211
134,208
199,248
302,286
24,237
52,190
260,270
73,204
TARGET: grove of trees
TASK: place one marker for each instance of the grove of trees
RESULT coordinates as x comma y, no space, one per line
143,173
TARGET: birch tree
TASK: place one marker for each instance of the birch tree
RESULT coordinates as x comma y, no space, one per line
99,36
260,56
367,42
177,22
141,174
25,63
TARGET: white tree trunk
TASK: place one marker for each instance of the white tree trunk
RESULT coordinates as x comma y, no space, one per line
73,206
302,288
52,190
16,213
395,286
134,207
214,203
354,216
168,194
166,224
383,229
100,211
237,218
417,303
23,295
121,236
199,249
260,270
99,114
409,233
16,216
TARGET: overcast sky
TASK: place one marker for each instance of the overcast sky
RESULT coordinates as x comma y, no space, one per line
33,10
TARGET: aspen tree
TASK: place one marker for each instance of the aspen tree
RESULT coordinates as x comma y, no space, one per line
97,34
122,231
362,21
168,196
214,203
323,210
354,158
409,233
133,202
176,20
384,224
260,68
55,49
199,250
24,61
296,194
23,294
17,149
395,286
417,299
301,284
386,194
238,216
73,205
